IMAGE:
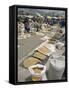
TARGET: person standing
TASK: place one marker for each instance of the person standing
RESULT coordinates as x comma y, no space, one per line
27,25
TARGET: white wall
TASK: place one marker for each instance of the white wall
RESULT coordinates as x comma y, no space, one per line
4,38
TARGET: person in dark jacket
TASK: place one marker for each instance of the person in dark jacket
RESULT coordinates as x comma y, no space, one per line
26,25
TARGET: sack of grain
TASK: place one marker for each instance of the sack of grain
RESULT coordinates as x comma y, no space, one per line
56,68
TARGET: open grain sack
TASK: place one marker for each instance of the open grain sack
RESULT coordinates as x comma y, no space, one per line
44,50
30,61
40,56
37,71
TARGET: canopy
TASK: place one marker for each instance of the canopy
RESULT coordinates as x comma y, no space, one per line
38,14
54,17
49,17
